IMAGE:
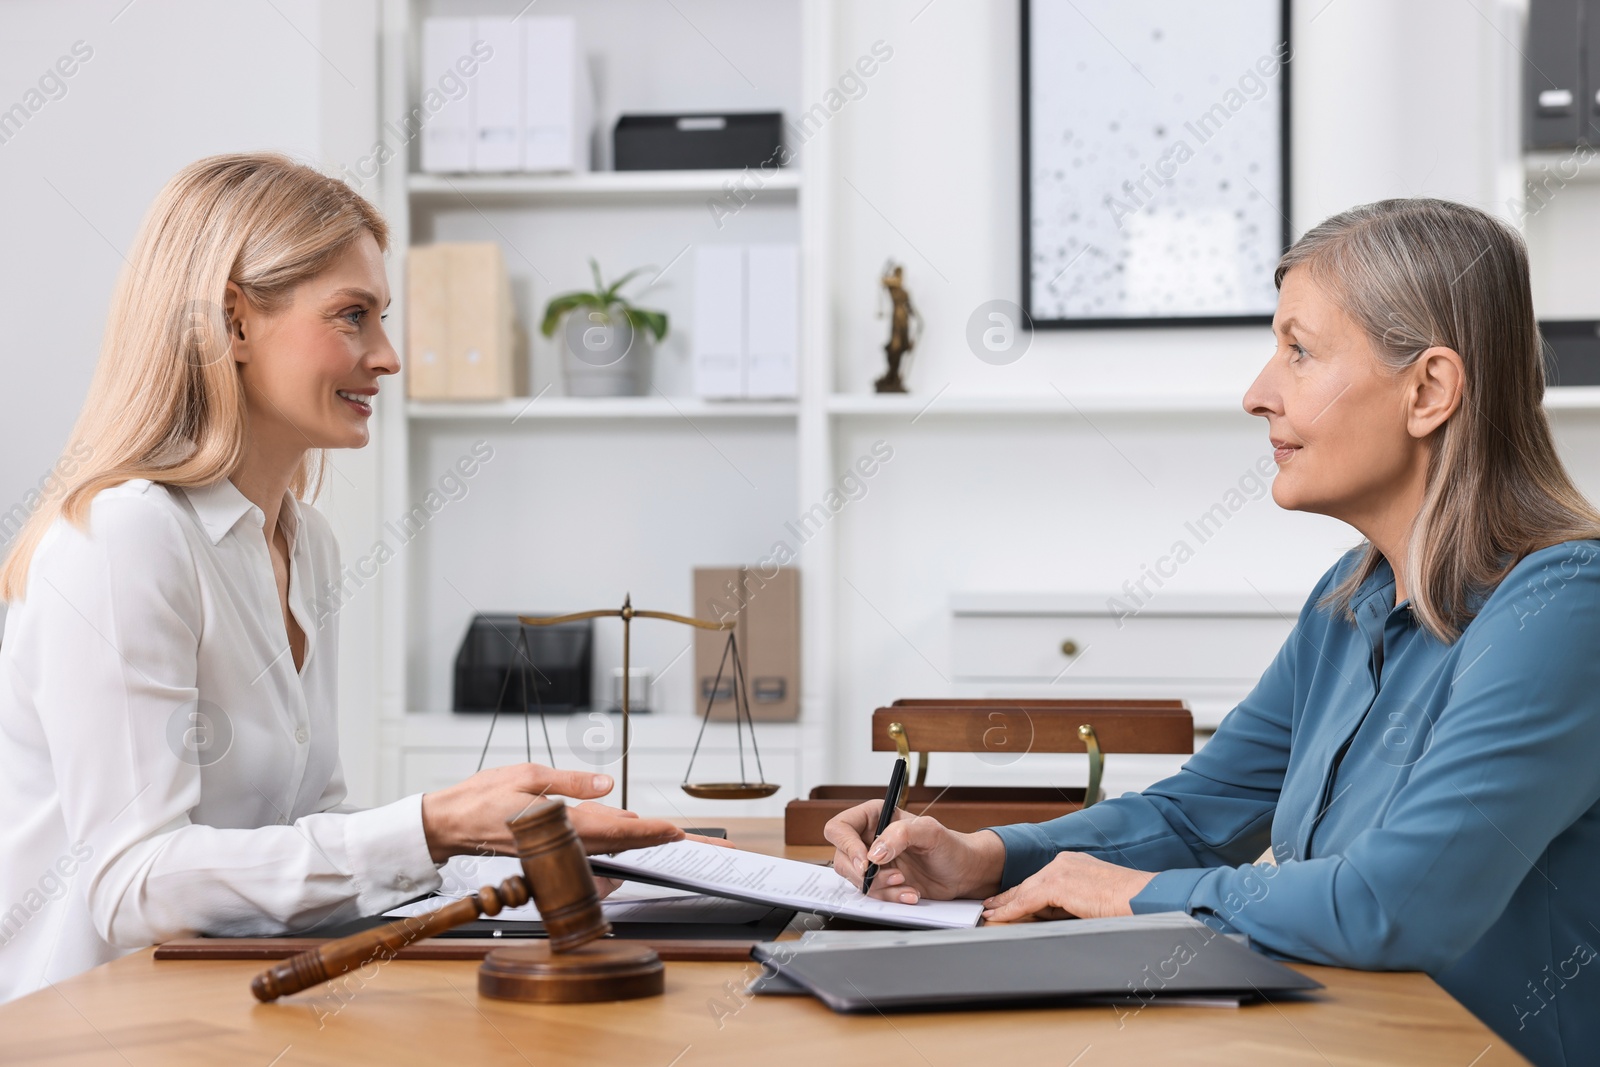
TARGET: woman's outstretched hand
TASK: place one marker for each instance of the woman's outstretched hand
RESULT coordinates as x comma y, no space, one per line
917,856
470,816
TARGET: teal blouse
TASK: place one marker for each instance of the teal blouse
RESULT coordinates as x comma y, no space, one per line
1431,807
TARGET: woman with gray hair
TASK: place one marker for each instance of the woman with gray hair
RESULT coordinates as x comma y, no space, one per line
1417,769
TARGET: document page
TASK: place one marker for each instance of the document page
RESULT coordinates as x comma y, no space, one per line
772,880
631,902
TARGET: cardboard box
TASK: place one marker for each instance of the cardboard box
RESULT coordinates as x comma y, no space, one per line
766,608
461,331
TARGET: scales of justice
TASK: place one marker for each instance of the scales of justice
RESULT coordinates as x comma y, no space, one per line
740,790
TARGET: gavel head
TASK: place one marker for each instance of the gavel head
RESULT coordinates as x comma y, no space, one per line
558,875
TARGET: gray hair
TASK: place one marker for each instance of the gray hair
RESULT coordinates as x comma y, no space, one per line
1421,273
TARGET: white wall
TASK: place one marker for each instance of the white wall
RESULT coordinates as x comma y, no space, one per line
1388,100
167,82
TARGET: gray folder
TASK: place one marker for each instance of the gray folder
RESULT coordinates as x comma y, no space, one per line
1138,964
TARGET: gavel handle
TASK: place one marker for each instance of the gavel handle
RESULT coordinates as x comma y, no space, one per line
317,965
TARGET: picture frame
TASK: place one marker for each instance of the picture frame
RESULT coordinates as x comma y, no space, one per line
1155,162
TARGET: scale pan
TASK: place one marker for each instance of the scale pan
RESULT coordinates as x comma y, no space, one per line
730,790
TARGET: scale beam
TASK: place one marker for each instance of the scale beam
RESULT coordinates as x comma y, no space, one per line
627,613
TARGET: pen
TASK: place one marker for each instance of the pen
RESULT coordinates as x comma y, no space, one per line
886,816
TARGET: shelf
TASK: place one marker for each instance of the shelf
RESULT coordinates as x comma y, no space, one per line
945,405
546,408
1572,398
445,190
1566,165
916,406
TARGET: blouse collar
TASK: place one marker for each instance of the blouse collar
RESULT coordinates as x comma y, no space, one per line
221,505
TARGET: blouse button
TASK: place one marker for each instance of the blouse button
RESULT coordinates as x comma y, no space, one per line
402,882
300,736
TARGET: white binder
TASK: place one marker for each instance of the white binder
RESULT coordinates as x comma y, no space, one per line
719,321
497,97
447,133
557,104
772,314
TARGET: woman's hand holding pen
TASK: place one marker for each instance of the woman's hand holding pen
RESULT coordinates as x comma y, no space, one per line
917,856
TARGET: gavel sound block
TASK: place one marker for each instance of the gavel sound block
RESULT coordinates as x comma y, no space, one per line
570,967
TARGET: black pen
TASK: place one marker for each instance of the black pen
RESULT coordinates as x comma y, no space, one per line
886,816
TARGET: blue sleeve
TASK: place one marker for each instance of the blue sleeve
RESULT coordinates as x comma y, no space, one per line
1510,765
1217,810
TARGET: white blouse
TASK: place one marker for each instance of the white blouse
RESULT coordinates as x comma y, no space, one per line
164,769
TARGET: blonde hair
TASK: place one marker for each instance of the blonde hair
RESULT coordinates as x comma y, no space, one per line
167,402
1422,273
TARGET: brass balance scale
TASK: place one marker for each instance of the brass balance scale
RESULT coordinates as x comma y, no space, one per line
740,790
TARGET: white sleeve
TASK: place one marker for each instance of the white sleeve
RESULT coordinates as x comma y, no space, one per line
114,620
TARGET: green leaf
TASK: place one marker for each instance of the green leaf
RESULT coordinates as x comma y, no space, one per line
599,286
654,321
560,305
611,293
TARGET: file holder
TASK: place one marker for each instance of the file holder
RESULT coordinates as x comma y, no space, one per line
998,727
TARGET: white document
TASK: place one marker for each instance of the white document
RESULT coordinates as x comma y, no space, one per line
631,902
777,882
497,114
557,102
772,313
719,321
447,134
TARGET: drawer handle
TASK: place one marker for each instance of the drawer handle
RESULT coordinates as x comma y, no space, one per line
1069,647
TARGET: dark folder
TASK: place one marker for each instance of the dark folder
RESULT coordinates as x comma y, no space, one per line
1137,964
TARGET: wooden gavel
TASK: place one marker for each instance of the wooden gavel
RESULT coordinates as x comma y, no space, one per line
568,967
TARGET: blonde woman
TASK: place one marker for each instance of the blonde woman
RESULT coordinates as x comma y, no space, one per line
168,728
1422,758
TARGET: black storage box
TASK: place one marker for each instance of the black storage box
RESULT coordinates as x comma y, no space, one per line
721,141
557,662
1571,351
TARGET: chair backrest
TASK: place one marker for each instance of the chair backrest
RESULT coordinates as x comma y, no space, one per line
970,725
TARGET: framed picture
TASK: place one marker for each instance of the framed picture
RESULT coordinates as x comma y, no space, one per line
1155,161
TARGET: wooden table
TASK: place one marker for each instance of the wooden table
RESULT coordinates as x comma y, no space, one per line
138,1011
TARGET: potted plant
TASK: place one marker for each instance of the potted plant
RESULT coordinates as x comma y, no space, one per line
607,343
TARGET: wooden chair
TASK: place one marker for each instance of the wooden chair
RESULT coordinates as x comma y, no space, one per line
1001,728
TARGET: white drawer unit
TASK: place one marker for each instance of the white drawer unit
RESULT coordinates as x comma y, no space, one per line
1206,649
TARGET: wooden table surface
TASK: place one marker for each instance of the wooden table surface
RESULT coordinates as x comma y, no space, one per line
138,1011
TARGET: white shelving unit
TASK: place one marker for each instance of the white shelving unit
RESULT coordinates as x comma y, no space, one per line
511,541
658,484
